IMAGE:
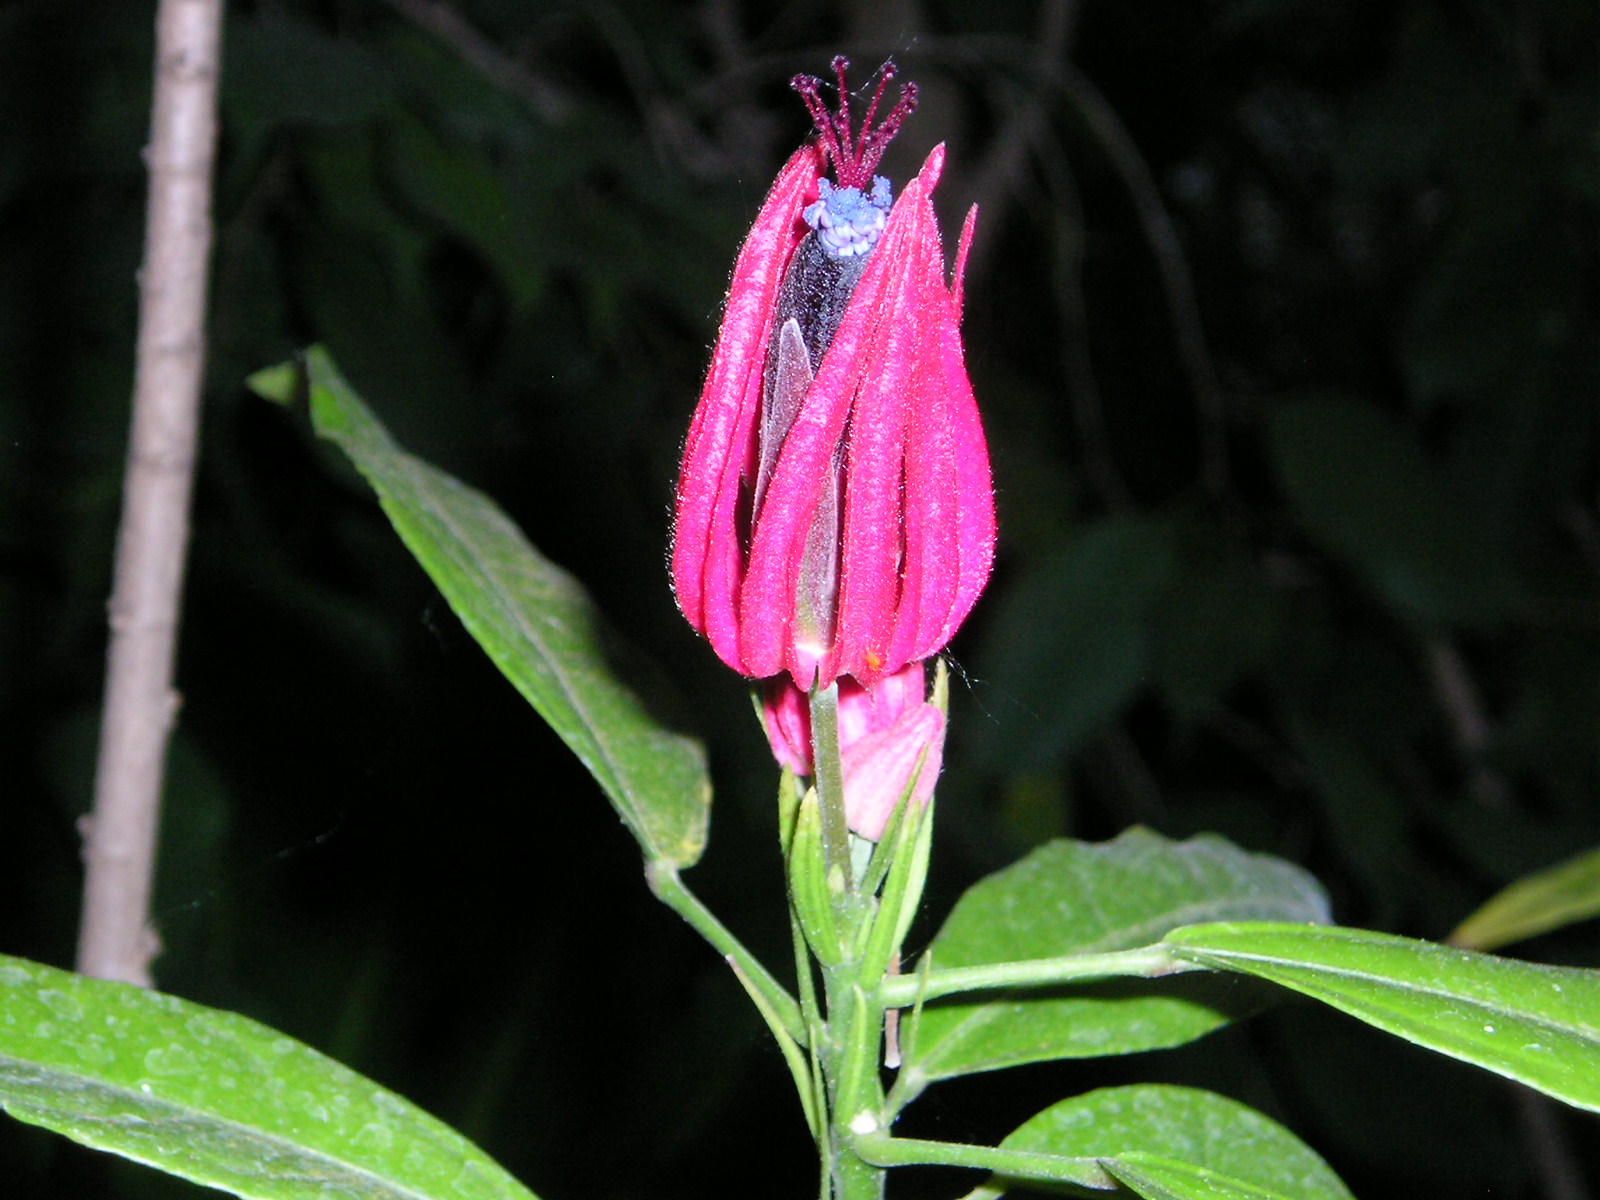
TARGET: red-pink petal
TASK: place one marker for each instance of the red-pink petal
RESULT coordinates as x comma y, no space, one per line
707,555
891,406
766,605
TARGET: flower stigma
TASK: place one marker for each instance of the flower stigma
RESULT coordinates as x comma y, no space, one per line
846,222
847,217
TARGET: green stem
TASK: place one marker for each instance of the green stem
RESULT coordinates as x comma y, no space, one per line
828,779
811,1014
899,991
854,1178
857,1090
855,1026
793,1055
669,888
885,1151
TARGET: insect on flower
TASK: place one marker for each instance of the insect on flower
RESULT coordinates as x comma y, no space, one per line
835,514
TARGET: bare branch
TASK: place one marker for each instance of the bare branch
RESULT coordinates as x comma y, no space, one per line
115,941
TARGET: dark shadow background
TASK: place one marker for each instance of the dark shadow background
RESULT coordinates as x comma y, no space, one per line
1283,320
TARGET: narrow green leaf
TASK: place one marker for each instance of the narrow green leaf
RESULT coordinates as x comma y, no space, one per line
912,834
1177,1143
1535,1024
536,623
218,1099
1546,900
1071,898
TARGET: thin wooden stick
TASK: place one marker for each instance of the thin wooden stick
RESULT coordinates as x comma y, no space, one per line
115,941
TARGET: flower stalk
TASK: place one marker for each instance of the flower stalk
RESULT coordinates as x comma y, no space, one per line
829,777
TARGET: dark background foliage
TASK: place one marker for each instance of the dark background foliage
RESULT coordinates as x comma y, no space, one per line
1283,320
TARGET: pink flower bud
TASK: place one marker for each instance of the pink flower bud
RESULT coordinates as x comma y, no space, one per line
878,769
883,729
835,514
786,712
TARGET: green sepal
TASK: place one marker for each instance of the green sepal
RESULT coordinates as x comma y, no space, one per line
922,847
916,875
902,890
900,864
788,809
877,868
809,895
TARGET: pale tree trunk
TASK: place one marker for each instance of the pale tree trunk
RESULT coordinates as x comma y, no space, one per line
115,938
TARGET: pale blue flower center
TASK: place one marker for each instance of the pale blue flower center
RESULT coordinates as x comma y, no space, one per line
848,221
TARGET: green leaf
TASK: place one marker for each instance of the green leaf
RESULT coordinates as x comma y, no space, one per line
1538,1025
1177,1143
218,1099
458,187
1068,898
1157,1178
1565,893
1364,813
534,620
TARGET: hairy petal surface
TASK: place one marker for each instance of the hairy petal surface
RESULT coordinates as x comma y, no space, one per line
888,416
708,555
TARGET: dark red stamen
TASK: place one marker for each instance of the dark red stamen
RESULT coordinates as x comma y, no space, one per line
853,164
